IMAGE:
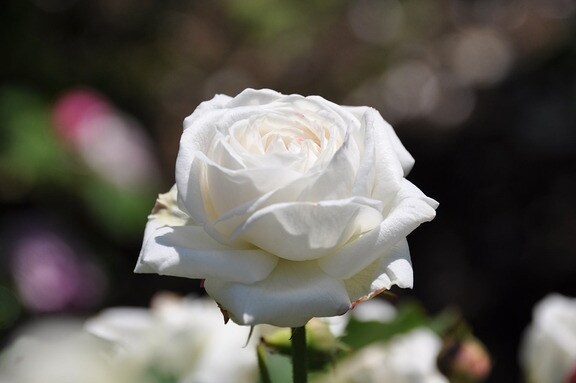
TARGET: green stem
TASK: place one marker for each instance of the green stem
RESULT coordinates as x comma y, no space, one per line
299,357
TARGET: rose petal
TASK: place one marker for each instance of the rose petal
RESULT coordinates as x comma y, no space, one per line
224,155
187,251
305,231
364,178
189,169
405,158
388,172
253,97
393,268
233,219
164,213
336,180
291,295
228,189
340,116
410,208
217,102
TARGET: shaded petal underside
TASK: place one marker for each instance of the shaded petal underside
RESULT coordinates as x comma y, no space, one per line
292,294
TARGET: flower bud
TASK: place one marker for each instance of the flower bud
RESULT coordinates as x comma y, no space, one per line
465,361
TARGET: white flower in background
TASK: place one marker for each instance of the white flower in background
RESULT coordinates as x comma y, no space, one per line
548,351
374,310
184,339
58,352
290,207
406,358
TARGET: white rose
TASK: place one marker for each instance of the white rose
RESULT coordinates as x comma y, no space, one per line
295,207
548,350
184,339
406,358
58,351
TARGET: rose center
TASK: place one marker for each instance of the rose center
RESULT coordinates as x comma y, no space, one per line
293,142
287,139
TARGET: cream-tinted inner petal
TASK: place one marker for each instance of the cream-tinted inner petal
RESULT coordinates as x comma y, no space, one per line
285,138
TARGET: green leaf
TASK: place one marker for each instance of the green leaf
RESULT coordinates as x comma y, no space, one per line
358,334
279,368
122,212
29,150
157,375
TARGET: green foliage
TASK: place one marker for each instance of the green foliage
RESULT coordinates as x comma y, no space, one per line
300,19
157,375
29,151
33,160
361,333
120,212
322,345
9,307
279,367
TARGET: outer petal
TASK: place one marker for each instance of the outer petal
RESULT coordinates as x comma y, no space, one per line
217,102
187,251
350,120
164,213
388,172
393,268
306,231
253,97
294,293
189,170
403,155
410,208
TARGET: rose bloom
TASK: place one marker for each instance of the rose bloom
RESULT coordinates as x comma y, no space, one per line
288,207
57,350
183,340
548,350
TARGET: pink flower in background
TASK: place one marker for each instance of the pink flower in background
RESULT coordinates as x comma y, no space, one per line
74,109
51,276
112,144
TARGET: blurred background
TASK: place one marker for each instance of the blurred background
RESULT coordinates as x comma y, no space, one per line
482,93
